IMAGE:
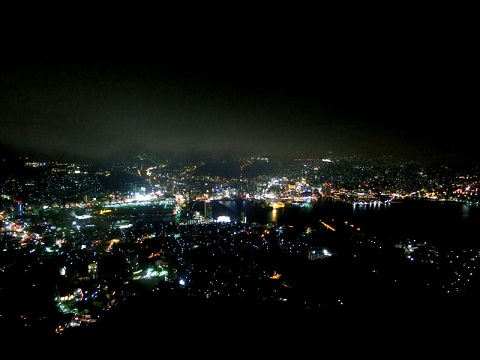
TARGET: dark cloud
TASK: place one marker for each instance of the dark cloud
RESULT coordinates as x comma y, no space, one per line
375,89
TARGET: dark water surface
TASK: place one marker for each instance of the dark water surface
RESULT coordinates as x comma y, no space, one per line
446,224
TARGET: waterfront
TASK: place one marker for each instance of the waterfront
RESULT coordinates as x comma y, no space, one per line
444,224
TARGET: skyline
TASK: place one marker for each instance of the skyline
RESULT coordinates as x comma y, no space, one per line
401,98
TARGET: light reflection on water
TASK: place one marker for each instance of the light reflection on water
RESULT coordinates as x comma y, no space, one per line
431,221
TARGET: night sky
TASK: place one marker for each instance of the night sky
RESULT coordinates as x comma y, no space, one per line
402,88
